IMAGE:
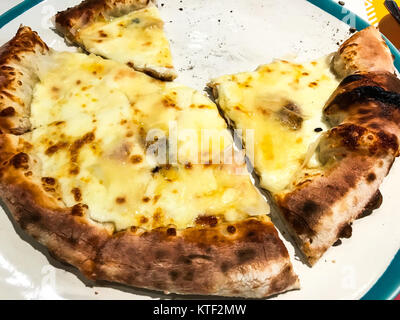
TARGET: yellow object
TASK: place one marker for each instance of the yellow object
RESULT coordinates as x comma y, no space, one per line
139,37
282,102
91,119
376,10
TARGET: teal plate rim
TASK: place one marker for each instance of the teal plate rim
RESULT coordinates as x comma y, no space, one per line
388,285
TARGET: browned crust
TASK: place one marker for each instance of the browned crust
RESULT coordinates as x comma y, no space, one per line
357,151
18,67
370,101
236,259
319,208
246,258
366,51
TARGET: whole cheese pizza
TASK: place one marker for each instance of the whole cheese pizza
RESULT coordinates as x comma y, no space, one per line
137,180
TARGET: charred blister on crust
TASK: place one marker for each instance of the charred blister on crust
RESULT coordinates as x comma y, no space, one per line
20,161
370,100
203,220
374,203
349,137
364,51
79,209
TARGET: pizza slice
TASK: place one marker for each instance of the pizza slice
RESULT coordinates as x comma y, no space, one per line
326,134
128,31
99,163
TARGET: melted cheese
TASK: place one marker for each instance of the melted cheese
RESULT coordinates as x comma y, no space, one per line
92,119
263,100
138,37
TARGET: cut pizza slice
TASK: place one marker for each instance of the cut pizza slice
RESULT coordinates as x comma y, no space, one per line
129,31
99,163
322,165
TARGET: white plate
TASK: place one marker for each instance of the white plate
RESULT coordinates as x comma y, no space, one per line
211,38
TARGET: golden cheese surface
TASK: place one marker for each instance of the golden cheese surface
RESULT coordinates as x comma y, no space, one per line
282,103
106,133
136,38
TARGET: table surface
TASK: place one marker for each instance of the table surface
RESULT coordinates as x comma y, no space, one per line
356,6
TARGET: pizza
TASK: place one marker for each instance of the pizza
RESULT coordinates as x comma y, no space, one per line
91,168
326,132
135,179
127,31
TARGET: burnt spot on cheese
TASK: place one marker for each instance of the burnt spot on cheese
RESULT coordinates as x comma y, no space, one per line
77,194
136,159
129,134
157,215
169,102
135,21
130,64
204,220
160,168
7,112
188,165
56,147
48,181
79,209
74,169
120,200
171,231
290,116
102,34
146,199
156,198
57,123
75,149
231,229
20,161
313,84
143,220
156,169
